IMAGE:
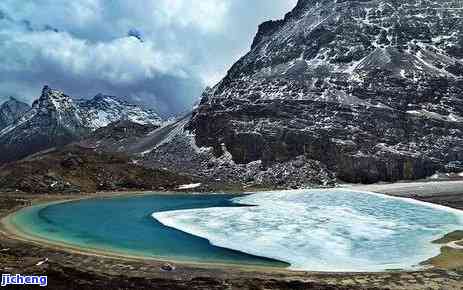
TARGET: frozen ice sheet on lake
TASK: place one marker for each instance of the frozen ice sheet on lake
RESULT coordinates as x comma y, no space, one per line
324,230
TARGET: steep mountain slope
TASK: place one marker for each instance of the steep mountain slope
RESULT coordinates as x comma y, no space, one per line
371,89
11,111
55,119
119,136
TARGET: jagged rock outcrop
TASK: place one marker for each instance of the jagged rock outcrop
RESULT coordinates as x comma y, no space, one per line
56,119
373,90
11,111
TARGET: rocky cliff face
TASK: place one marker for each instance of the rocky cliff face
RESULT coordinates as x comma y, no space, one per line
11,111
371,89
56,119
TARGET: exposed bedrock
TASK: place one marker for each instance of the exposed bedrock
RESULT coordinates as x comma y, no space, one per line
361,144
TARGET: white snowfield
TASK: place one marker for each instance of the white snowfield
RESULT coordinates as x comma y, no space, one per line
324,230
190,186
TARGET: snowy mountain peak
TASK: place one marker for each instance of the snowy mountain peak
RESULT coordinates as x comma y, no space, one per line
55,104
50,95
54,100
57,119
11,111
103,110
92,114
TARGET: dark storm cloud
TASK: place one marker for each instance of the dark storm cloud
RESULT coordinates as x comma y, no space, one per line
159,52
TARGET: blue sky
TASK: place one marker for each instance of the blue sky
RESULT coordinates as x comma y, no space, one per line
162,52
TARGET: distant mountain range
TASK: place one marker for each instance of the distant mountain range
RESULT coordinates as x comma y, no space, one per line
56,119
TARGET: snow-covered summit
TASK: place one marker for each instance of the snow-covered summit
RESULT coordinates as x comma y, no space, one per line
56,119
103,110
56,106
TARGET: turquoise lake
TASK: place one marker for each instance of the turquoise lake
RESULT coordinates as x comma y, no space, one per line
316,230
124,225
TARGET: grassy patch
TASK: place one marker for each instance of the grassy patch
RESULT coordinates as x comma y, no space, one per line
449,258
452,237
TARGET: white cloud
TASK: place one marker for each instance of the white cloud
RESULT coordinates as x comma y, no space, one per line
122,60
207,15
77,14
186,44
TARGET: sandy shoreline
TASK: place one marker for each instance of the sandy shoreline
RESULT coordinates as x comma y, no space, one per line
104,270
399,189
